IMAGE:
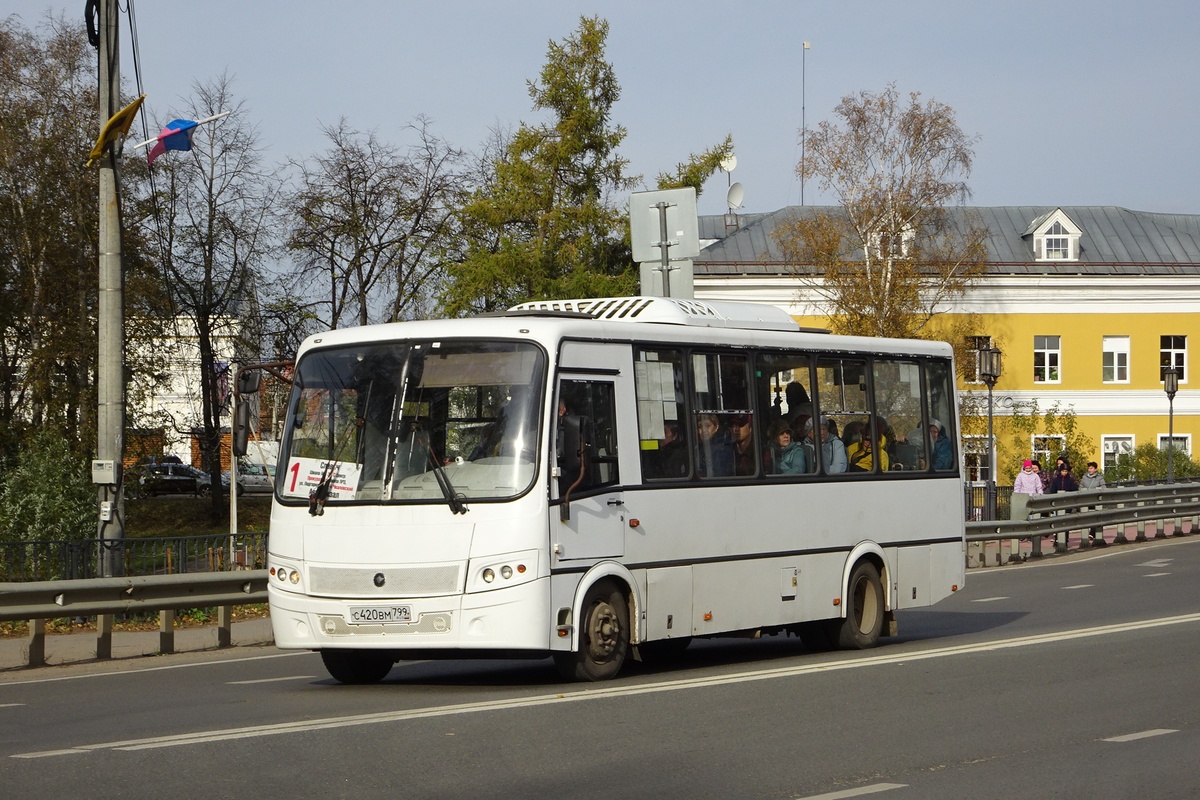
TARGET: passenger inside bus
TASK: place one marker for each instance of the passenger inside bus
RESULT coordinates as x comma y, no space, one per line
799,406
861,455
714,458
671,458
741,427
784,455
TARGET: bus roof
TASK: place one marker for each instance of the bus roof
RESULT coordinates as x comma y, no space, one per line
547,320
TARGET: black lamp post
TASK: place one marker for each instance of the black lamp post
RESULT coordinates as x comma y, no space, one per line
989,371
1171,386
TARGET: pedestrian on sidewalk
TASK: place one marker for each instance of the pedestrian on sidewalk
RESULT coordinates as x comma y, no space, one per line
1092,480
1028,481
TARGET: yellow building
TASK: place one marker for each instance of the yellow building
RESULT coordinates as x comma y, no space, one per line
1088,304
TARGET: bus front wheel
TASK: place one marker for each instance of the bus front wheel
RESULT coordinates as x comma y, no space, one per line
603,636
864,611
358,666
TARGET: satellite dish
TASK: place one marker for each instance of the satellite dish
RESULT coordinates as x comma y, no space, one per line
728,163
733,198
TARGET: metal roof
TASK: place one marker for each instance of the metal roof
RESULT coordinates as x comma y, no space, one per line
1113,241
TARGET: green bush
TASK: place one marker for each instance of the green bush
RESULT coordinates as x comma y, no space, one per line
48,495
1148,463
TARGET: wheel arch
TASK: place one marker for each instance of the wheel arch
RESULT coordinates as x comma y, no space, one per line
625,581
872,552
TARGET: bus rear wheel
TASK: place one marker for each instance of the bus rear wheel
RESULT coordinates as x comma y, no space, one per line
603,636
863,624
358,666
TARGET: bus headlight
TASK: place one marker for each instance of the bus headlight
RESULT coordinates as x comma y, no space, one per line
500,572
285,576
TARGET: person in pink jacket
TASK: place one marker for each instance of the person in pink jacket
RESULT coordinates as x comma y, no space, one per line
1028,481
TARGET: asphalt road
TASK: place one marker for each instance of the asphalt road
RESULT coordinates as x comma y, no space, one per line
1073,678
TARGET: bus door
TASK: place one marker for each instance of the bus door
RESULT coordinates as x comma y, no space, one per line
589,520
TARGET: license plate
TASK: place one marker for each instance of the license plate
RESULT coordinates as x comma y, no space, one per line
362,615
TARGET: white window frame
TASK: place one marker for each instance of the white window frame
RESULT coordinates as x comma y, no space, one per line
1057,239
975,459
1118,348
1044,455
908,236
1170,355
1052,357
1183,443
1114,446
975,344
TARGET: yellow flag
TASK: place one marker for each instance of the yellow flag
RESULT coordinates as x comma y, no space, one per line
115,129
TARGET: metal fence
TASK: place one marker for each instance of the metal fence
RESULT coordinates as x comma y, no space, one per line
976,498
1058,520
164,555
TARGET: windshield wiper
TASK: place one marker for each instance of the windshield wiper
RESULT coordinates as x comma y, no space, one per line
453,498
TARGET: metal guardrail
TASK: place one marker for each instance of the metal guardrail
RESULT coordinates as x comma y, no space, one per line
38,601
1094,510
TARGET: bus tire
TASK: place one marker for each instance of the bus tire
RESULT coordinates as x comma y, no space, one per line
358,666
603,636
863,624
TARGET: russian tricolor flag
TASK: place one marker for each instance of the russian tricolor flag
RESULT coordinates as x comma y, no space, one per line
176,136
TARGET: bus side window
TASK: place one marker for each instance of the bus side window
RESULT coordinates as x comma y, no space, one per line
722,393
841,385
944,449
663,436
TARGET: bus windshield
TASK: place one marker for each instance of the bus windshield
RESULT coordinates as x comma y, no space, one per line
415,422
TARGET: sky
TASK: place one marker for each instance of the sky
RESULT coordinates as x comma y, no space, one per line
1073,102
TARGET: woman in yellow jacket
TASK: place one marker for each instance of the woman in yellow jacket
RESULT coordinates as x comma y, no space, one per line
861,454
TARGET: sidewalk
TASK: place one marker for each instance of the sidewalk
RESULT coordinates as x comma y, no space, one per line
73,648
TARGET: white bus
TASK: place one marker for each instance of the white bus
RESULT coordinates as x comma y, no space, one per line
597,480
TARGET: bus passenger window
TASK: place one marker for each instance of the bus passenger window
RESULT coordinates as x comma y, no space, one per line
727,434
662,434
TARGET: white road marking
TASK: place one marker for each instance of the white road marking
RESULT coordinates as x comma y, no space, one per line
10,705
874,788
1155,574
1080,586
140,670
1131,737
272,680
1157,563
255,731
988,599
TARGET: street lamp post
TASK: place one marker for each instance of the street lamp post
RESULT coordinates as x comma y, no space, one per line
1171,386
989,372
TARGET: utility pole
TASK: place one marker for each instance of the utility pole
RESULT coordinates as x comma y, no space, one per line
110,366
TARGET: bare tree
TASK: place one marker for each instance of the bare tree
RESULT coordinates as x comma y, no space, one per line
215,208
894,252
374,220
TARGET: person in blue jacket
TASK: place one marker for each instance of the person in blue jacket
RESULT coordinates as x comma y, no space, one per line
943,452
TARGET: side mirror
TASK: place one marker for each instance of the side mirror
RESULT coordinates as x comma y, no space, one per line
241,429
248,380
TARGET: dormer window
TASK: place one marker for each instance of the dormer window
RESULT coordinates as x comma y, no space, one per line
1055,237
893,244
1058,246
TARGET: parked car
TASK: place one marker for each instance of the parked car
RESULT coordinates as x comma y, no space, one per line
148,480
254,478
